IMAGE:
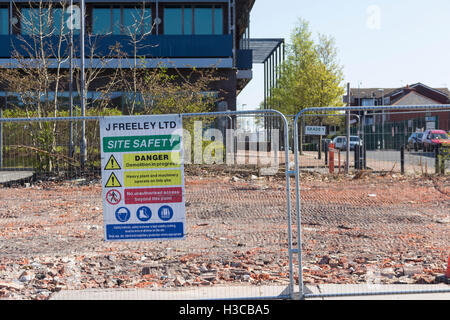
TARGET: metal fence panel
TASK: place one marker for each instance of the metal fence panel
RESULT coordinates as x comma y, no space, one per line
239,225
382,227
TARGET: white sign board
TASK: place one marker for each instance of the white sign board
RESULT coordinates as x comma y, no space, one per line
315,130
142,178
430,125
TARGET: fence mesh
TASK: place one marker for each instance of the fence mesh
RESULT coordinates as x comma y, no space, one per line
51,224
383,225
388,147
369,231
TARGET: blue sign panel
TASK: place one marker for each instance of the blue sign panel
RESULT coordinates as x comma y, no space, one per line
144,231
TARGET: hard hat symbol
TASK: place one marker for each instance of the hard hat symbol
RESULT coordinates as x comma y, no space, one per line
122,214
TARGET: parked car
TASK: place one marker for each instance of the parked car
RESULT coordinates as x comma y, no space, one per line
355,141
433,139
415,141
340,142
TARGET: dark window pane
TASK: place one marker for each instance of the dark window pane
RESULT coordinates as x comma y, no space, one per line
130,20
4,21
34,21
137,20
187,20
58,22
116,21
218,21
203,20
101,20
172,21
147,20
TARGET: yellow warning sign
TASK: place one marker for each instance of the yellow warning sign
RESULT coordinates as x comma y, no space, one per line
112,181
152,178
151,160
112,164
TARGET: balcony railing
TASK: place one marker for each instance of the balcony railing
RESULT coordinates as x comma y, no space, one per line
152,46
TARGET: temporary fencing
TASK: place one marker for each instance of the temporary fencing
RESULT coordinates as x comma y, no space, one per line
360,234
239,224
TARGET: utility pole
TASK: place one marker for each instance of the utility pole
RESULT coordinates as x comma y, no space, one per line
83,150
347,125
382,119
71,151
1,133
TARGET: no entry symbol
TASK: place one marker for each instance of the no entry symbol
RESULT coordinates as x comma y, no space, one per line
113,196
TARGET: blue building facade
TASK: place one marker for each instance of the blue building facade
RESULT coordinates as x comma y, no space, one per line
176,34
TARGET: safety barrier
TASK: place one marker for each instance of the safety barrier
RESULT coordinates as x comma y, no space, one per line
239,224
361,237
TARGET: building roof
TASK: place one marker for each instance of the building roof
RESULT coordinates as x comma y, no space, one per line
414,98
263,48
388,92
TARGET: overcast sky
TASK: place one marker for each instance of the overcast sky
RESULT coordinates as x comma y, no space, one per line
381,43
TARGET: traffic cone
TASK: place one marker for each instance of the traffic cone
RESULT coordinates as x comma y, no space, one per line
447,274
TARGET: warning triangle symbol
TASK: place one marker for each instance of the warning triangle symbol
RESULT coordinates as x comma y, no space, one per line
112,181
112,164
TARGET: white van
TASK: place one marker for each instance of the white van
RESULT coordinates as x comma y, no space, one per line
340,142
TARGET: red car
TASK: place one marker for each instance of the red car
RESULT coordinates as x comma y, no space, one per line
433,139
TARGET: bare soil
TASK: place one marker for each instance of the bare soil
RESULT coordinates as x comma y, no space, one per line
355,229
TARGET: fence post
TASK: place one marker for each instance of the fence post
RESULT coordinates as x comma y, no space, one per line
1,138
331,158
357,158
319,155
402,159
365,158
436,160
347,132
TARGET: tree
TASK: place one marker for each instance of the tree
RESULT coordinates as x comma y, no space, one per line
37,78
310,77
38,75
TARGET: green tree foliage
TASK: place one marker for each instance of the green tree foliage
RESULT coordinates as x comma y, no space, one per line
310,76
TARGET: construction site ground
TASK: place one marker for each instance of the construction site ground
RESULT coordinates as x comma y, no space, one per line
357,229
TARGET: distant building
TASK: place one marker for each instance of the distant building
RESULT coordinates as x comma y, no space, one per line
178,34
415,94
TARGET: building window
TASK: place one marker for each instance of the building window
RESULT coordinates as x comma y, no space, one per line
45,20
368,102
4,21
186,20
173,18
123,20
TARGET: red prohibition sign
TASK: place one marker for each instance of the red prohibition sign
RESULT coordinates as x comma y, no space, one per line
113,196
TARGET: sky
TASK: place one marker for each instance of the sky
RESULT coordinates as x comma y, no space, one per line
381,43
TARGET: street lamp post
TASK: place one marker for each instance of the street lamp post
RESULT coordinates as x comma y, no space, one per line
382,118
83,150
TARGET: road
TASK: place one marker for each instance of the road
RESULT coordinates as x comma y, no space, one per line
380,160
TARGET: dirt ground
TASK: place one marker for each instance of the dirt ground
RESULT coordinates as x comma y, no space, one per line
355,229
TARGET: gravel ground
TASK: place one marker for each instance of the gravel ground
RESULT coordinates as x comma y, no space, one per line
356,229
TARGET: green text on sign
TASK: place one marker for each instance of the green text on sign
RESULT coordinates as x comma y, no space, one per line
141,143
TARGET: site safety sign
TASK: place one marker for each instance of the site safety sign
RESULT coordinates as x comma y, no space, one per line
142,178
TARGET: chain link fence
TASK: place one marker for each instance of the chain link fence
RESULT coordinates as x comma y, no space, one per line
370,231
374,219
393,145
238,232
